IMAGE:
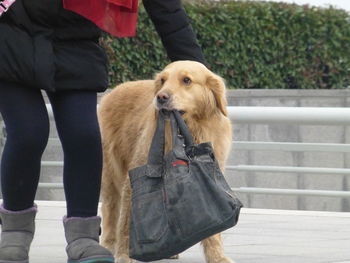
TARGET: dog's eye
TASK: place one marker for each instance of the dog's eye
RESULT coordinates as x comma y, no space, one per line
187,80
162,81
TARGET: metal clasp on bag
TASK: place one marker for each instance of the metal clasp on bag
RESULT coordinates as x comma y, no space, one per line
5,5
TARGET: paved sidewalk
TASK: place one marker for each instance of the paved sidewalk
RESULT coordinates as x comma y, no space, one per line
261,236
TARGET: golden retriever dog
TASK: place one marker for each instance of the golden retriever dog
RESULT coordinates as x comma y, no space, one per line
128,118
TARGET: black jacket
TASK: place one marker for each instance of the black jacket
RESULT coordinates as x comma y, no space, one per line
44,46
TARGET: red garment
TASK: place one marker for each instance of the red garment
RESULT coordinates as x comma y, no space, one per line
117,17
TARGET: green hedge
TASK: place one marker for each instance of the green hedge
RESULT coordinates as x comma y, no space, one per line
250,44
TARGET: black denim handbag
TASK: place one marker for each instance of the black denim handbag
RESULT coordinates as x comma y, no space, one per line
180,198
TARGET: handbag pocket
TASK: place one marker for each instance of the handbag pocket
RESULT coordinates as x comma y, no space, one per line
191,206
149,217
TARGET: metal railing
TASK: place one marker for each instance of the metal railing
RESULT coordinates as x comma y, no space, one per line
273,115
291,115
297,116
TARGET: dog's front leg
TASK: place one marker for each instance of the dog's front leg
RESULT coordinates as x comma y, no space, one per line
110,211
109,221
122,247
213,250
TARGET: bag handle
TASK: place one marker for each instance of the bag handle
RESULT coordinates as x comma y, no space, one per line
178,127
185,132
156,151
177,138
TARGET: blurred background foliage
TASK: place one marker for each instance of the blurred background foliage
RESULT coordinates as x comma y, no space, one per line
252,45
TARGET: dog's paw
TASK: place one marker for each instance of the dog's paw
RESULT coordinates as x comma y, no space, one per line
221,260
123,259
226,260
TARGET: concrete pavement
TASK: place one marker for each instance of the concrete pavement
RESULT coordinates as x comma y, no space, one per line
261,236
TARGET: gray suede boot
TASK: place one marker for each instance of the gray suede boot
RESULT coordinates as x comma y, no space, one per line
82,235
17,234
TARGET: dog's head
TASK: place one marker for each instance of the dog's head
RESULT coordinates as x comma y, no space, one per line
192,89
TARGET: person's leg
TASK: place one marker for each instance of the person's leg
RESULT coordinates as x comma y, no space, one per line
27,127
78,129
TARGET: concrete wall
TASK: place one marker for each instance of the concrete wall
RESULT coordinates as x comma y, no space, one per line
275,132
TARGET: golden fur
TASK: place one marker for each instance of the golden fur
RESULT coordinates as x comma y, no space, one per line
127,117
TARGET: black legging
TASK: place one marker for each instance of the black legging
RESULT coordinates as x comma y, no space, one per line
27,125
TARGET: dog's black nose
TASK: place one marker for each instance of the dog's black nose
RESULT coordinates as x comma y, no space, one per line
163,98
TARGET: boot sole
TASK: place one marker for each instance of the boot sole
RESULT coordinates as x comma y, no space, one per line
91,260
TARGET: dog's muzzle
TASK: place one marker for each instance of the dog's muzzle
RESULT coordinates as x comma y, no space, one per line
164,101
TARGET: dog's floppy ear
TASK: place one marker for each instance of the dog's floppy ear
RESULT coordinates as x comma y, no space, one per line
217,85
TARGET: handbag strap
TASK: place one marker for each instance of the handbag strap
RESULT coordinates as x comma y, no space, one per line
181,138
156,151
185,132
177,138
